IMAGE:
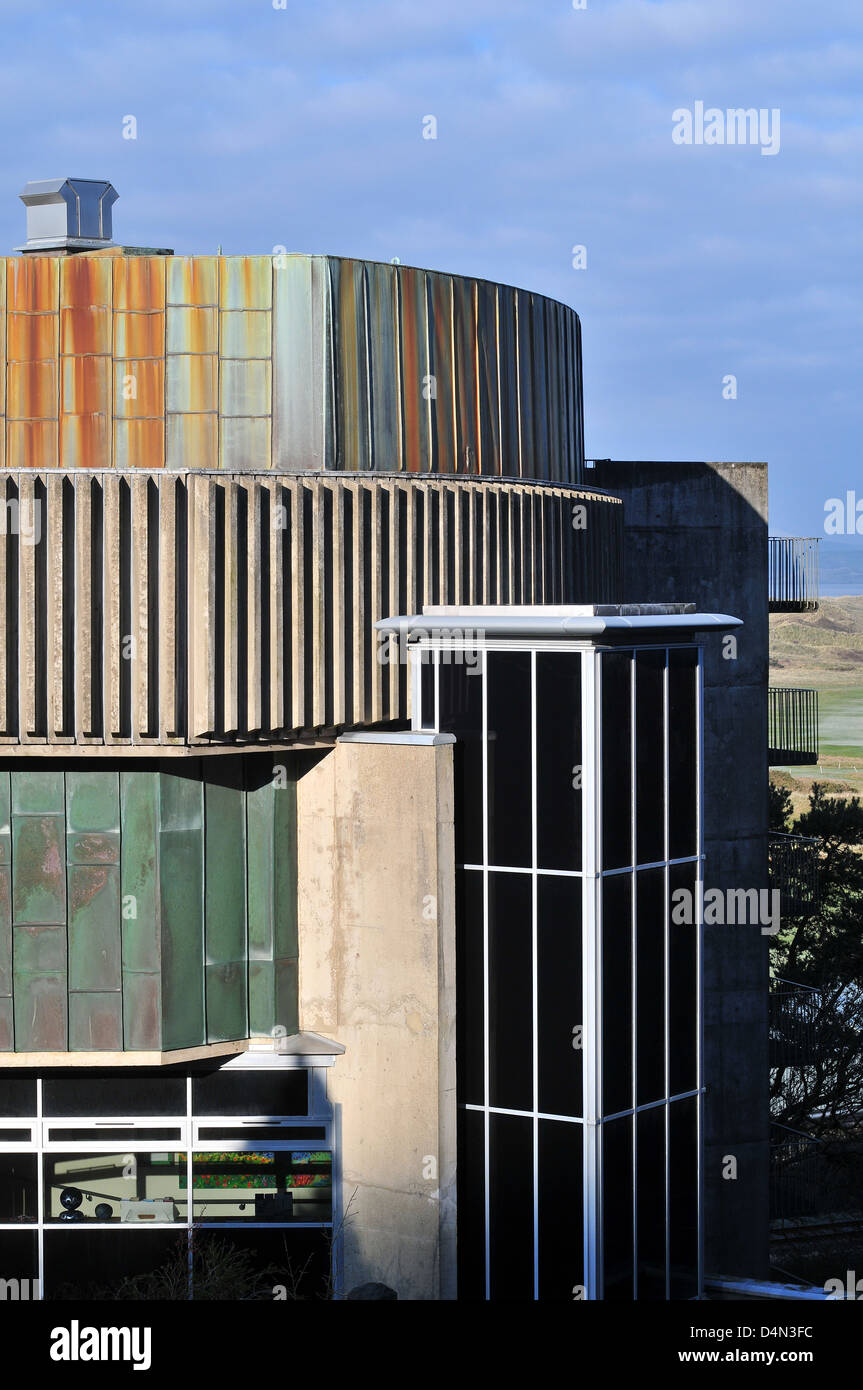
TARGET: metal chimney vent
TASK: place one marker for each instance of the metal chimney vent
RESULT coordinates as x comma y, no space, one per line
71,213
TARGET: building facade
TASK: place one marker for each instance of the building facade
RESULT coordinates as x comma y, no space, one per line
356,734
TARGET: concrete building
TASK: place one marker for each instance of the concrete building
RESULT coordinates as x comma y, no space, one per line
356,737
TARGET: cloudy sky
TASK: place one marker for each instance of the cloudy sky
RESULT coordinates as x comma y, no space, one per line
302,126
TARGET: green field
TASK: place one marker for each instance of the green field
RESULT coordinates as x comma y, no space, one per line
824,651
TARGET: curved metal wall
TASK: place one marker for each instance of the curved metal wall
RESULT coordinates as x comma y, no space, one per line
169,610
252,363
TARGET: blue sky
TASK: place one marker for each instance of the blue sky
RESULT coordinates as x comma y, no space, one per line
302,127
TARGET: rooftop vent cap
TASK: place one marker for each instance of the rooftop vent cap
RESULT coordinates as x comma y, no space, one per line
73,213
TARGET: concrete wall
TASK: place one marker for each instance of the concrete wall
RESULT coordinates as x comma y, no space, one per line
698,531
377,974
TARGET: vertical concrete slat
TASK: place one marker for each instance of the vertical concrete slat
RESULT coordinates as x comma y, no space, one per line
253,715
337,600
29,633
230,617
166,620
276,664
299,637
201,590
113,638
83,607
140,610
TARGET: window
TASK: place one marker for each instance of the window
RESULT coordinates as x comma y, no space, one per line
119,1187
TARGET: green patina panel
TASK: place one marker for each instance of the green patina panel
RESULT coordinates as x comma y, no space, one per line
181,895
38,793
286,994
5,931
39,950
139,800
142,1011
227,1001
38,867
133,899
96,1022
40,1013
261,858
285,871
94,927
5,895
226,864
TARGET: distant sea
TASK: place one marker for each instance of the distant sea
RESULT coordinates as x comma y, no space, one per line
841,564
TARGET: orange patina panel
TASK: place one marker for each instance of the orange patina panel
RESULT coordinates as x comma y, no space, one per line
33,284
85,441
139,282
139,388
31,337
85,330
139,335
139,444
31,444
32,390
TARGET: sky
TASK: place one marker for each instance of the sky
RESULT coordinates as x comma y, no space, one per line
720,287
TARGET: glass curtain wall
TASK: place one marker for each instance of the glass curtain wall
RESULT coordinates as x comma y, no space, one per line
578,817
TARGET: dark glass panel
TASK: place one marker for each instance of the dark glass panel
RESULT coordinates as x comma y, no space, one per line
649,756
19,1254
558,760
616,993
82,1264
616,759
651,1203
132,1135
561,1210
559,995
17,1097
617,1210
74,1095
511,1208
510,991
650,980
427,688
471,1205
682,983
509,759
682,751
470,986
461,715
273,1093
19,1188
683,1165
285,1134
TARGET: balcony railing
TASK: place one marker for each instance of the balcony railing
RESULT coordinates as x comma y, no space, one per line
793,861
794,583
792,726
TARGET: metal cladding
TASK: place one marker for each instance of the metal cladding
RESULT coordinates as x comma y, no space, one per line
286,363
199,608
207,858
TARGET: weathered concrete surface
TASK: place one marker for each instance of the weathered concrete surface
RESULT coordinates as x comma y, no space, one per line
698,531
377,973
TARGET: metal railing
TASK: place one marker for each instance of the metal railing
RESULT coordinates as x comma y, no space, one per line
794,1173
792,726
794,579
793,866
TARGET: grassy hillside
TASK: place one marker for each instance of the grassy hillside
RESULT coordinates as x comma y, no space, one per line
825,650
